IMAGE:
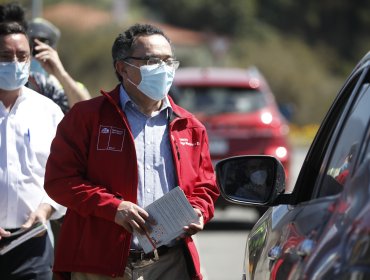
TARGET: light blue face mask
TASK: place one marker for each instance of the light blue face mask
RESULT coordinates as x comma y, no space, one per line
259,177
156,80
13,75
37,68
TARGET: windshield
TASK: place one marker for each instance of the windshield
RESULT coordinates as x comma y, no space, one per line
216,100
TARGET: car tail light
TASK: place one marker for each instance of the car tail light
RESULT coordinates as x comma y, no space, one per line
254,83
266,117
280,152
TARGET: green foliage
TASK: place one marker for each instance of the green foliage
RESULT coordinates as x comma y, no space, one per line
294,72
101,4
229,17
342,25
196,56
304,48
87,56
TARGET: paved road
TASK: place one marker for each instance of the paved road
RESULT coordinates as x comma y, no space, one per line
222,244
226,261
222,247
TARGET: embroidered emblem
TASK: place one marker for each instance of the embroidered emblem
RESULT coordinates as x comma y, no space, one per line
110,138
185,142
104,130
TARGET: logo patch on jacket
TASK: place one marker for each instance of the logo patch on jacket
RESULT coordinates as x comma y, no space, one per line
185,142
110,138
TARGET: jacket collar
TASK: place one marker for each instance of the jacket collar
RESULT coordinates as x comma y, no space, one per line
113,95
114,98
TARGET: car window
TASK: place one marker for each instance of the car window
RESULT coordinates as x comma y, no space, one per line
367,151
217,100
348,143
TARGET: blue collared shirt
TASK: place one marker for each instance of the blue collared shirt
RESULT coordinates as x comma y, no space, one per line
153,151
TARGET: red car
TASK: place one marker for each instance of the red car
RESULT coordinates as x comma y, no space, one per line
238,109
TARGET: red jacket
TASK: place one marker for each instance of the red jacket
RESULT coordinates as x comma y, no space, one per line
92,166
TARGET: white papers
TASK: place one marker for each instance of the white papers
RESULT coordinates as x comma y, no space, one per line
20,236
171,212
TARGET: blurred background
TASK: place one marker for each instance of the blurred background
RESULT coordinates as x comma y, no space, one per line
304,48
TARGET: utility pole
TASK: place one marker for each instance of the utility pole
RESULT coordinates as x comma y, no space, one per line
120,11
36,8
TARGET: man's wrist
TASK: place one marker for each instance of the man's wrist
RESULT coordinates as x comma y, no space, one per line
46,209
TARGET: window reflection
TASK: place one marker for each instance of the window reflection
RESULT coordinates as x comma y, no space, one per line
347,145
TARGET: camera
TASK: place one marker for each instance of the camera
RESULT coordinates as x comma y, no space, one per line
33,44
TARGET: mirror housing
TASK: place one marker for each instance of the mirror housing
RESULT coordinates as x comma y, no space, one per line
251,180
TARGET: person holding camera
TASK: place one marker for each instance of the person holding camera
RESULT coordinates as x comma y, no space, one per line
48,75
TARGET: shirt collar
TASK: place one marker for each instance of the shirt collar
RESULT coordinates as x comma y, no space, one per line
126,100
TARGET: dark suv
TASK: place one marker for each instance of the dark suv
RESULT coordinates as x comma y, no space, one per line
238,109
322,229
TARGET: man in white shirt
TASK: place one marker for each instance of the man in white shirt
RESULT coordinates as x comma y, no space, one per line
28,123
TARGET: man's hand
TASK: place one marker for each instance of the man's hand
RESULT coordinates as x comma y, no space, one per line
193,228
42,213
4,233
49,58
132,217
50,61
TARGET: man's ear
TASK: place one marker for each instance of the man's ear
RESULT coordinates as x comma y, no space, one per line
121,69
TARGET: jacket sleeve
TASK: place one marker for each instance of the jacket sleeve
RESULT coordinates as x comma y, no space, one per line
204,190
65,180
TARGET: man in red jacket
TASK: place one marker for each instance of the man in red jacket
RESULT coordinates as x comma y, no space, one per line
115,154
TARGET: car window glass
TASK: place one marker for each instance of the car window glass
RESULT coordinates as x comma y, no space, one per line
216,100
367,151
364,153
347,144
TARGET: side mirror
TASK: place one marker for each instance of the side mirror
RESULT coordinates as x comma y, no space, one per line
251,180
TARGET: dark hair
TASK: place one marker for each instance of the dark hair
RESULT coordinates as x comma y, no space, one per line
124,44
13,12
7,28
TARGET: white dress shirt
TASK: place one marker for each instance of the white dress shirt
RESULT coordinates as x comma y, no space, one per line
26,132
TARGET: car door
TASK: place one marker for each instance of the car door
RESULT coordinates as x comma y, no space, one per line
288,235
342,249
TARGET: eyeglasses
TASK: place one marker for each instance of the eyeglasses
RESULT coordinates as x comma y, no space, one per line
157,61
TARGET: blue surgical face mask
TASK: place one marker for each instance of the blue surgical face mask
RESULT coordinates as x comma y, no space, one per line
259,177
156,80
37,68
13,75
